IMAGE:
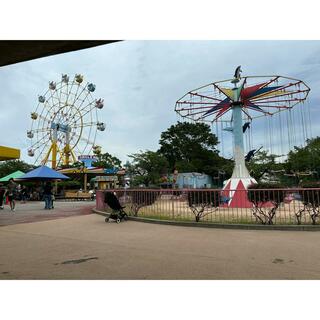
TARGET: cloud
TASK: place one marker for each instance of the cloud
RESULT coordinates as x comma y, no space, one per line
140,82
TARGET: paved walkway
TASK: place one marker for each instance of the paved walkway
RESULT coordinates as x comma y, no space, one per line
34,211
85,247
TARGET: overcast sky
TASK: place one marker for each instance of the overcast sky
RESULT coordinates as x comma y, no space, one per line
141,81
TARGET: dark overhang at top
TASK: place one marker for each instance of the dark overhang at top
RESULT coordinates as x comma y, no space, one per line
14,51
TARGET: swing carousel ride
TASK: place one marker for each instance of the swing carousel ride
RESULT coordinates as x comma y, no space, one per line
233,104
65,122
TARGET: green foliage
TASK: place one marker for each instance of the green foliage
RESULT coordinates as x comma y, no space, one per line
107,161
305,159
10,166
146,168
198,201
191,147
77,164
263,162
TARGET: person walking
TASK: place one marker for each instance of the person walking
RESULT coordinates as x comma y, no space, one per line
11,191
47,195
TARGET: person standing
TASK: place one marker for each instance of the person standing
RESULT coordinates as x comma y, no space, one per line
47,195
11,194
23,193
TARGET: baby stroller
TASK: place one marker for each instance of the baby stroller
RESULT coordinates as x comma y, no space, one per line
112,201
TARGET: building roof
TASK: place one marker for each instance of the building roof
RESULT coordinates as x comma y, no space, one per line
7,153
14,51
13,175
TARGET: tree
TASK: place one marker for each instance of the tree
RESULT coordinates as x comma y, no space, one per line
10,166
262,162
305,159
107,161
146,167
191,147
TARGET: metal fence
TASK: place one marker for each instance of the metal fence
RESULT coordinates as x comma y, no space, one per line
266,206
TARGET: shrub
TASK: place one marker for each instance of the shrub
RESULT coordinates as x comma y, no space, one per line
198,201
266,199
141,199
311,202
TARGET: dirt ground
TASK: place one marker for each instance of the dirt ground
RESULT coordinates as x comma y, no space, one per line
85,247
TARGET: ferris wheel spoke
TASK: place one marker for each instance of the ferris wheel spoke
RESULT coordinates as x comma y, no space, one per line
83,99
41,153
91,104
88,124
83,114
77,97
40,141
39,130
83,139
43,118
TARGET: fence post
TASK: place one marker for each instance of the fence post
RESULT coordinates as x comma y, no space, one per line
172,204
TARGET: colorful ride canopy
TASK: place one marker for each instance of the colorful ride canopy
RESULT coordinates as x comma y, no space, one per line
257,95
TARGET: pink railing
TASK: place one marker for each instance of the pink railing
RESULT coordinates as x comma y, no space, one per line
269,206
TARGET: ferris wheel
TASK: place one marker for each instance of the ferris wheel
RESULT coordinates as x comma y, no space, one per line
65,122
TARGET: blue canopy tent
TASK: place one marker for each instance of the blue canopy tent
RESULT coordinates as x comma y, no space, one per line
43,173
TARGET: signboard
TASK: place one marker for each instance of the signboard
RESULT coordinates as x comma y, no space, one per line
87,160
106,178
84,157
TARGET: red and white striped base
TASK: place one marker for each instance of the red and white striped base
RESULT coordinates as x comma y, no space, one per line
235,192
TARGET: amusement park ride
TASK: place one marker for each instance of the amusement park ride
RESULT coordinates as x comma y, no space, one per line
65,122
238,101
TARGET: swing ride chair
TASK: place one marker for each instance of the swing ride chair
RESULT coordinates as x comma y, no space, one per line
232,105
118,213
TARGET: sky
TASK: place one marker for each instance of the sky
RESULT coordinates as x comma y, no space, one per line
140,81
